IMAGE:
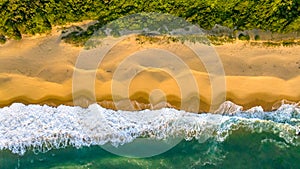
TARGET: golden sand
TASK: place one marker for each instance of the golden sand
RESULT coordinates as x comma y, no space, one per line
40,70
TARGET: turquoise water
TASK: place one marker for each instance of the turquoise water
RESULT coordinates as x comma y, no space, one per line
36,136
242,149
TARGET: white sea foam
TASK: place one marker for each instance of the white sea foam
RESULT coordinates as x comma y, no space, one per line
42,128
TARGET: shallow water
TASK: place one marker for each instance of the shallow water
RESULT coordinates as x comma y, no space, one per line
71,137
242,149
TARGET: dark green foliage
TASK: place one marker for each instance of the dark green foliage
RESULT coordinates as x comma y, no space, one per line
256,37
2,39
289,43
38,16
77,38
244,37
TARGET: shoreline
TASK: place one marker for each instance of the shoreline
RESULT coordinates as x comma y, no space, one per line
225,107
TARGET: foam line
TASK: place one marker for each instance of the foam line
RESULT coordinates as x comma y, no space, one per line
42,128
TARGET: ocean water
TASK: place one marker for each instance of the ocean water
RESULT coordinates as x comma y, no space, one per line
36,136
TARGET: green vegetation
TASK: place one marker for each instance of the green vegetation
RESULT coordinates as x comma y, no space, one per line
285,43
142,39
31,17
2,39
217,40
244,37
257,37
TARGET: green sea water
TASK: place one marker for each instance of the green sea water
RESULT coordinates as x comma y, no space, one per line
242,149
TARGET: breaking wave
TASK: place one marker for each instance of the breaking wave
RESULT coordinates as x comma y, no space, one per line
42,128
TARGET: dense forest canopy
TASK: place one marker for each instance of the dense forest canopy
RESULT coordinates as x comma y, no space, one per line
38,16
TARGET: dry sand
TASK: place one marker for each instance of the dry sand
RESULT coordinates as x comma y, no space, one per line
40,70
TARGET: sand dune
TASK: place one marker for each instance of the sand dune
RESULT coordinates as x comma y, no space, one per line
40,70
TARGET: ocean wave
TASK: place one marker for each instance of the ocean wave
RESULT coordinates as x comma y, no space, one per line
42,128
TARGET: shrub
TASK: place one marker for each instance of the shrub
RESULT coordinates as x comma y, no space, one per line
2,39
244,37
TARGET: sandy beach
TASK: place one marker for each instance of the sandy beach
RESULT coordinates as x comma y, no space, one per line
40,70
